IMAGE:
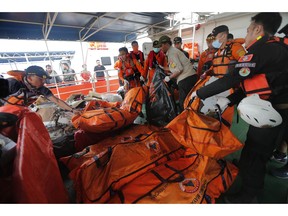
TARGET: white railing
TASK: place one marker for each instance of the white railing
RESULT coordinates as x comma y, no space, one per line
93,81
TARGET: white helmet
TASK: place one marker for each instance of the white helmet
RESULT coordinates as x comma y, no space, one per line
258,112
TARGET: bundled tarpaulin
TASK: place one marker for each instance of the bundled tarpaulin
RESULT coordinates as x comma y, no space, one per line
36,177
206,135
83,138
190,179
160,104
106,169
113,117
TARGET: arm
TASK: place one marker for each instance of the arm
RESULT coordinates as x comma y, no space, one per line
139,67
238,51
60,103
201,63
175,65
218,86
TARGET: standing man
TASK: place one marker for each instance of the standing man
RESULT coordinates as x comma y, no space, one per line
127,69
263,70
137,55
224,62
178,45
206,58
99,70
180,68
155,57
55,78
68,73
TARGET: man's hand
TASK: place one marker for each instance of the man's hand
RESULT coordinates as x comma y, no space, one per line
76,111
126,82
222,102
142,78
167,79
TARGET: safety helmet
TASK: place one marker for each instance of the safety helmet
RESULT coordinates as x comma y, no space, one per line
258,113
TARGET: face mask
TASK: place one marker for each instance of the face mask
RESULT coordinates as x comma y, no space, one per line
216,44
122,57
156,50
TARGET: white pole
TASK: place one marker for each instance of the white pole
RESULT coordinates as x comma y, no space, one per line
193,40
52,67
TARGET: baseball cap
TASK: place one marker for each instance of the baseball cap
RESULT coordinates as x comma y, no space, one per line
177,40
210,37
219,29
164,39
38,71
156,44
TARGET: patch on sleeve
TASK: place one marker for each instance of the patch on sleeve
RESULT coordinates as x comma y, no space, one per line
245,58
172,65
247,64
244,72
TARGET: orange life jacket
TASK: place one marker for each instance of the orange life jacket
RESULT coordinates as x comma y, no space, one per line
150,65
127,71
224,60
259,83
139,56
21,97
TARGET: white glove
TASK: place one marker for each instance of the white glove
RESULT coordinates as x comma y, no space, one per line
126,82
167,79
142,78
222,103
193,95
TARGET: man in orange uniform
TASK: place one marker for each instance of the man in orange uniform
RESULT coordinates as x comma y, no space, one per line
155,57
128,69
205,61
224,62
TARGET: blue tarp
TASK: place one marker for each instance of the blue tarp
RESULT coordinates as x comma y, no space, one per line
110,27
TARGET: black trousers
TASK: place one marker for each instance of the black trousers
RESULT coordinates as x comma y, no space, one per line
184,87
258,149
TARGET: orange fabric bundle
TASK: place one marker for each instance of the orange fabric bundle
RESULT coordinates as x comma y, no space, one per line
97,179
192,179
204,134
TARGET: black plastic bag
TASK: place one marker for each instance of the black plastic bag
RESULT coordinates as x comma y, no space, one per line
160,104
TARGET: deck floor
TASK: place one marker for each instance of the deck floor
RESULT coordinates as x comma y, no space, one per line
275,189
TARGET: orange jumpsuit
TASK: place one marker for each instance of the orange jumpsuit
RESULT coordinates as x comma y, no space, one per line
205,58
150,65
127,70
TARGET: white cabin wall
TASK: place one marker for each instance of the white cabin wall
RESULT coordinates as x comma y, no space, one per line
237,25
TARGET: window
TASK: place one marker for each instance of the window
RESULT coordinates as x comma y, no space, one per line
106,61
115,58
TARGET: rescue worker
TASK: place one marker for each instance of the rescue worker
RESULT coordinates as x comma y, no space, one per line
224,61
155,57
116,67
137,55
128,69
263,70
32,84
178,45
230,37
206,58
180,68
